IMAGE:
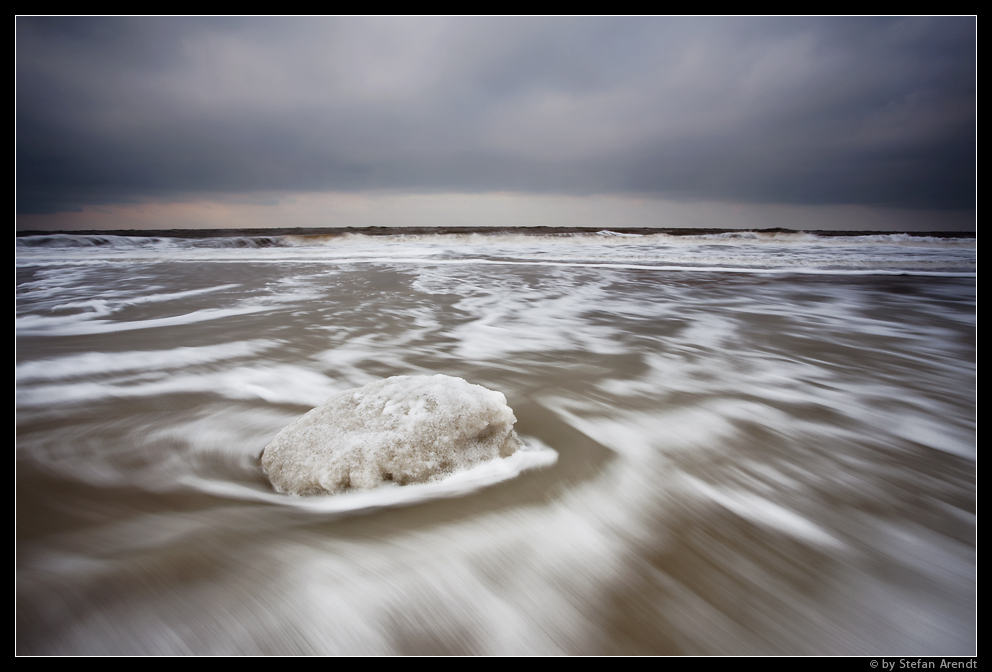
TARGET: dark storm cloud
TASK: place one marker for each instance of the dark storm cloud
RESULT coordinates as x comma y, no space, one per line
874,111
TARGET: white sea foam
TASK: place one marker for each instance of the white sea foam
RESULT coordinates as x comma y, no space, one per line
532,454
276,384
101,363
82,324
763,511
607,232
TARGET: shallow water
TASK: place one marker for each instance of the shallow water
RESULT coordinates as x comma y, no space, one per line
764,444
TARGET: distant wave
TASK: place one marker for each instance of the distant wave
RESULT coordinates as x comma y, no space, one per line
735,251
225,238
112,241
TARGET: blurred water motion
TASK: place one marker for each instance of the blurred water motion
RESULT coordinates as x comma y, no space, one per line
768,449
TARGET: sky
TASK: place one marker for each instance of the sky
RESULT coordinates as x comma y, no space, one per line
804,123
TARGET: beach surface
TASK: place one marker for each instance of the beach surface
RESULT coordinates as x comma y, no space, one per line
742,443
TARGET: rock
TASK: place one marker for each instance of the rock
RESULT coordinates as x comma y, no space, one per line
404,429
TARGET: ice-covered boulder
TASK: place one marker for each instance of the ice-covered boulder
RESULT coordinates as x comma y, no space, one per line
405,429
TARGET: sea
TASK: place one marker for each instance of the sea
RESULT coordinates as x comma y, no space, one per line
739,443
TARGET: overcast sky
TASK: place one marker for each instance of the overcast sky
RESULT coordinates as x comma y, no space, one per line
305,122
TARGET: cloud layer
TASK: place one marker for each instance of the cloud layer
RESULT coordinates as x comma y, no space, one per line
794,111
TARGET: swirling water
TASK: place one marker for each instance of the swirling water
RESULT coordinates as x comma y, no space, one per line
765,443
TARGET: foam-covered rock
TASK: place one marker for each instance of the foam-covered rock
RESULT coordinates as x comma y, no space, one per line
405,429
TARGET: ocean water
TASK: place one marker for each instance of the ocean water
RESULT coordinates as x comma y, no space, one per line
739,443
